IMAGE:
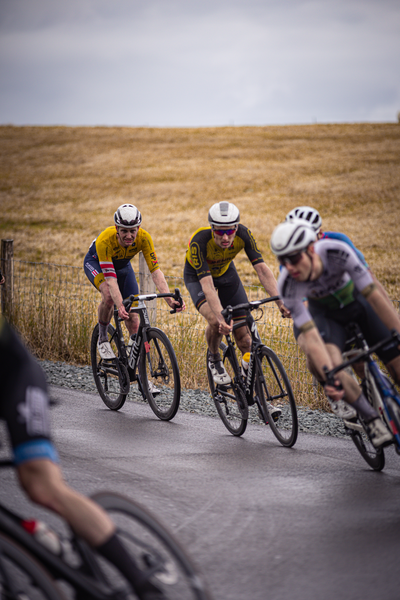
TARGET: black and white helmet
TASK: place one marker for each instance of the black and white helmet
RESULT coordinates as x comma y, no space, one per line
223,214
291,237
309,214
127,216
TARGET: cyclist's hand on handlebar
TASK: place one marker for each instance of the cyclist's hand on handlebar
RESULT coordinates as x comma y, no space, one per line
333,387
285,312
176,305
122,313
225,328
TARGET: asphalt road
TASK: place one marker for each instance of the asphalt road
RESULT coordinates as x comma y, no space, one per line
261,521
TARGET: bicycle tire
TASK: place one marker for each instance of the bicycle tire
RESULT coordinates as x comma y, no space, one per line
374,457
159,366
154,548
27,577
273,387
233,411
111,377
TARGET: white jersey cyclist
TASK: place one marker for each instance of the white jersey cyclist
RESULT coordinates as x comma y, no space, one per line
343,274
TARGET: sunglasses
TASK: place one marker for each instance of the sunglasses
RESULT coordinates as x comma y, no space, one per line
222,232
292,259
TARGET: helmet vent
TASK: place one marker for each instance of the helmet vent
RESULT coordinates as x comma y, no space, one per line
224,208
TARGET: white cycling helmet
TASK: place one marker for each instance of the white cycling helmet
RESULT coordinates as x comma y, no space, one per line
291,237
127,216
223,214
309,214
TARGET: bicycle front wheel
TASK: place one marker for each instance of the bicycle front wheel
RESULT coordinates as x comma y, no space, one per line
159,375
154,549
22,577
229,400
111,376
274,391
374,457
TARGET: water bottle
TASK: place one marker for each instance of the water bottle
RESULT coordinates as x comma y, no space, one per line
245,363
44,535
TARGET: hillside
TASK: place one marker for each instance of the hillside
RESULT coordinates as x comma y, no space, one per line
59,186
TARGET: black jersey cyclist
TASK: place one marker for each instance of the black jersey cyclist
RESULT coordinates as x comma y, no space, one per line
213,282
107,266
339,290
24,406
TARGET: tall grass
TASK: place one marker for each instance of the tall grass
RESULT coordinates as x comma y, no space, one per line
55,310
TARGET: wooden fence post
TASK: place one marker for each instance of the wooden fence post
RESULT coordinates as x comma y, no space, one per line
147,286
7,268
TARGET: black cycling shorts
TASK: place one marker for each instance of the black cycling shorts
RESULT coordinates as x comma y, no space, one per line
333,325
24,402
229,288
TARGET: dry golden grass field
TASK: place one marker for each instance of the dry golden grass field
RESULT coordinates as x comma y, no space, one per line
61,185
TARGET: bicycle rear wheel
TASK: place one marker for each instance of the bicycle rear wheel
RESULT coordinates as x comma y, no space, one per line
159,375
21,577
111,376
273,388
229,400
154,549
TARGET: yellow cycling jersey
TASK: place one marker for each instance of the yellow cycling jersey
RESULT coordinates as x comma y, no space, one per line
207,258
112,256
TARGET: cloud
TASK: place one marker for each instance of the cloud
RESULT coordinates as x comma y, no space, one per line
190,63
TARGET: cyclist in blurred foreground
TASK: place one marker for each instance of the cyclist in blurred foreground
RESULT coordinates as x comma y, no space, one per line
24,406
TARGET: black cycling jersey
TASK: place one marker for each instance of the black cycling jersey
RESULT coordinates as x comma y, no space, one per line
24,402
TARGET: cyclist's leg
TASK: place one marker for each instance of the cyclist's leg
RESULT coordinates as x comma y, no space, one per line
95,275
212,334
374,331
231,291
128,285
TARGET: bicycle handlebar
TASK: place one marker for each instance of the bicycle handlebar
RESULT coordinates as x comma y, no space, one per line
176,295
227,313
390,342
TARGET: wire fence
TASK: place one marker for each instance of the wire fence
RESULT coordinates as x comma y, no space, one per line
55,309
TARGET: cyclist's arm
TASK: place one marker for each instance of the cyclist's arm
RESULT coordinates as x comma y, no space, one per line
270,285
381,289
162,286
312,344
116,296
386,313
207,285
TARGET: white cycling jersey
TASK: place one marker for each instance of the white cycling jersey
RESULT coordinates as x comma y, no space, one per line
334,287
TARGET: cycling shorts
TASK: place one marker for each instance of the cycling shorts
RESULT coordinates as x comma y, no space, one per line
126,278
332,325
229,288
24,402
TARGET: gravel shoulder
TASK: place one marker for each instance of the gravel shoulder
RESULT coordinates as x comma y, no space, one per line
194,401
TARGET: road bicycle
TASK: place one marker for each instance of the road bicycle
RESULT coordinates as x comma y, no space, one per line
150,361
31,571
266,384
379,391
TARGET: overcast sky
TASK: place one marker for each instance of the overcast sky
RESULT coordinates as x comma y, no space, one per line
198,62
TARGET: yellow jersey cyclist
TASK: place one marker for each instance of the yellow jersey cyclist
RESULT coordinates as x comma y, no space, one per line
24,406
107,266
213,282
340,290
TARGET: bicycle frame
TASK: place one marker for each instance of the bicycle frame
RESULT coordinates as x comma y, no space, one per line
385,389
132,360
256,344
10,525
